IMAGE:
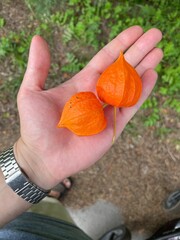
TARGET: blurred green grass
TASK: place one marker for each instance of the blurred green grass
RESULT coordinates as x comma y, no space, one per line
86,26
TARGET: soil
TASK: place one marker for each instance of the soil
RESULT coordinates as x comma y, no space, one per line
138,172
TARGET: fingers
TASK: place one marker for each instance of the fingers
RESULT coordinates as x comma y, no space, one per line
111,51
139,45
149,77
148,80
150,61
38,65
143,46
140,54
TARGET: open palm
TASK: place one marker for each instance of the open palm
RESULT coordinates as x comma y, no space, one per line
53,154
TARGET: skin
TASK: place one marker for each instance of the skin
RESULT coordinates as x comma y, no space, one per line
49,154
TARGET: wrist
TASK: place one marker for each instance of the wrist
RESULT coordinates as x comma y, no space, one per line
27,161
17,180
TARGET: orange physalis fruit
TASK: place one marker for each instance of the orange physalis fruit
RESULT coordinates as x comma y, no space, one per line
83,114
119,85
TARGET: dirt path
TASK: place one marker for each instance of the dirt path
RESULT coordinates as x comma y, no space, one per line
138,172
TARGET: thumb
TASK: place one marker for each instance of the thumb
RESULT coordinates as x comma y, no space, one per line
38,65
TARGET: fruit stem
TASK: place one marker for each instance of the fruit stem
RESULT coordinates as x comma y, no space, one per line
114,133
105,105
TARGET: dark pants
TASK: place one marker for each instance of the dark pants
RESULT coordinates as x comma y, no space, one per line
33,226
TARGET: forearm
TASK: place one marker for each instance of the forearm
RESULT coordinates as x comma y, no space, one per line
18,185
11,205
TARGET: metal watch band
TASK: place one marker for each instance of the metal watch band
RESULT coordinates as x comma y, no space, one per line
17,179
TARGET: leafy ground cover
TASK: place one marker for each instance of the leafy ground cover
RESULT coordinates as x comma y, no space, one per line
76,30
85,26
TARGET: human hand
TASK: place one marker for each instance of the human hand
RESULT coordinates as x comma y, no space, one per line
48,154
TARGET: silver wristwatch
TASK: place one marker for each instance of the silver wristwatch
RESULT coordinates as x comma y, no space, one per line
17,179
